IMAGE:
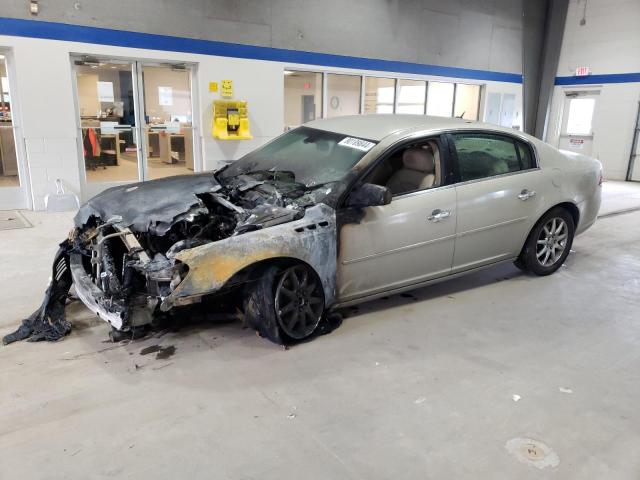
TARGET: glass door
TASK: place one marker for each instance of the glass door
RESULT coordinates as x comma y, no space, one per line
167,124
12,189
106,92
136,121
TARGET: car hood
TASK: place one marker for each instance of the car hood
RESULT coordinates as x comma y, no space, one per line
152,204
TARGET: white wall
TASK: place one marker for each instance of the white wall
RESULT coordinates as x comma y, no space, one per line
608,43
48,116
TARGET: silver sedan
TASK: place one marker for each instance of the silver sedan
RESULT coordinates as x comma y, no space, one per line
330,214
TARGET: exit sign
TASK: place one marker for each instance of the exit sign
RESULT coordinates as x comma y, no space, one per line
583,71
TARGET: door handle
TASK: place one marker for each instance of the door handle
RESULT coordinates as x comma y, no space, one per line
438,215
526,195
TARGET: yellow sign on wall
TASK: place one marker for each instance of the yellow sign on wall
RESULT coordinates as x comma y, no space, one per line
213,87
226,88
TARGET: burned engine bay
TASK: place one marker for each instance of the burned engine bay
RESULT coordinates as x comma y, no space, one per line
124,254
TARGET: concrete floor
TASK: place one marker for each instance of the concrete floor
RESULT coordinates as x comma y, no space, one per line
416,386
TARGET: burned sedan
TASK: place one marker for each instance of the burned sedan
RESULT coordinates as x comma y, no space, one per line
330,214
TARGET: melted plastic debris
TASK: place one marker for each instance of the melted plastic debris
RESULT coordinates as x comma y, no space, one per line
48,322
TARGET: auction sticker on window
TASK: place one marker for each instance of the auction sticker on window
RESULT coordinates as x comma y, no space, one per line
357,143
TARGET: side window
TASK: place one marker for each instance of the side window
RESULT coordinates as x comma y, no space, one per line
526,158
483,155
410,168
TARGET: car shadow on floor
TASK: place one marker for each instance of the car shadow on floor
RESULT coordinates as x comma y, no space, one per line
446,288
228,326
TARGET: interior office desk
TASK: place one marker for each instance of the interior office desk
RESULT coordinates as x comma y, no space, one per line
166,143
115,138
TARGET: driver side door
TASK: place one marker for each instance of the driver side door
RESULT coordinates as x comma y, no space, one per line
408,241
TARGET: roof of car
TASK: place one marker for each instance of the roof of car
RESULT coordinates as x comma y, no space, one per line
378,126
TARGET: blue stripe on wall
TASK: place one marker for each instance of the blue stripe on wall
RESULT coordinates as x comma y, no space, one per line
598,79
122,38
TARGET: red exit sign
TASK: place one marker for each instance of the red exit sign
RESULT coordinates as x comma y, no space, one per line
583,71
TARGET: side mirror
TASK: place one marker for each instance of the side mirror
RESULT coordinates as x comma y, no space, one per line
369,195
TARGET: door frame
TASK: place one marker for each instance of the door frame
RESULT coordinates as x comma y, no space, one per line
635,148
88,190
141,124
567,95
23,193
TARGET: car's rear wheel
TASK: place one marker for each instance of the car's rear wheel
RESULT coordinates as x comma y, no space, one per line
285,304
549,243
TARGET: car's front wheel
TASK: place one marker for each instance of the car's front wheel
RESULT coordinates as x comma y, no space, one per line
285,304
549,242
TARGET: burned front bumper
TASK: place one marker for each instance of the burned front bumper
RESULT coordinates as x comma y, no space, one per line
95,299
120,313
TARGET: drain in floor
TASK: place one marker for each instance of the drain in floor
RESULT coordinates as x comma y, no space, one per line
533,452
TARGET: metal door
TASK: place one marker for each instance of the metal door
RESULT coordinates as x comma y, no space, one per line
406,242
576,133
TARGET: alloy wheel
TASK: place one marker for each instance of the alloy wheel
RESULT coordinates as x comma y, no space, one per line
552,241
299,302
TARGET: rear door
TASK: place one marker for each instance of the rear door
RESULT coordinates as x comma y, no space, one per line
499,193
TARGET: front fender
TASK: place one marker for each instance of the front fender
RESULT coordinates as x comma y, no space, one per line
311,239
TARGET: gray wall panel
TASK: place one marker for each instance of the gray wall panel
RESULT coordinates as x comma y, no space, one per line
479,34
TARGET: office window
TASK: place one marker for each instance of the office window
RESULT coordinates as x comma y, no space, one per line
467,101
440,99
343,95
580,116
486,155
412,96
379,95
302,97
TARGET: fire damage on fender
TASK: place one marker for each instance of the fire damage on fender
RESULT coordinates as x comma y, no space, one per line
143,249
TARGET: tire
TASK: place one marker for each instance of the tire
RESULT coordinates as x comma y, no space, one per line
286,304
549,243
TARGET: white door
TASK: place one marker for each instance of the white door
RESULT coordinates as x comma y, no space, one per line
136,121
13,182
408,241
576,133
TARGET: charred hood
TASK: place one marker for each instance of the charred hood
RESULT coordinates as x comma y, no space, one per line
149,205
158,206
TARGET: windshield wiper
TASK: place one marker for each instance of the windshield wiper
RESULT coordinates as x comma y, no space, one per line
273,174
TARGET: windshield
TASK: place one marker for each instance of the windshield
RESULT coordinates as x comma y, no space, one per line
306,155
